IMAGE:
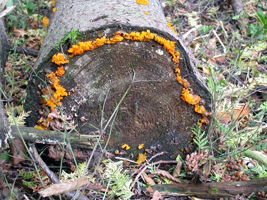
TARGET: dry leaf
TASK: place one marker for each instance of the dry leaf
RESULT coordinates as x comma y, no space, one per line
17,148
64,187
167,175
147,179
177,169
212,43
233,115
156,195
220,59
149,189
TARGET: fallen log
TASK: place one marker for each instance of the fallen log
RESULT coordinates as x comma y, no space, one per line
214,189
34,135
119,53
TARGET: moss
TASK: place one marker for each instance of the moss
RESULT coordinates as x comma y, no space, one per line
72,37
213,190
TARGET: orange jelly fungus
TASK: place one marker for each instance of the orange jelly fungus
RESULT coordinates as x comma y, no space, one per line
58,93
60,71
53,2
59,59
200,109
141,158
140,146
125,146
54,10
146,13
117,152
186,95
143,36
172,28
45,22
40,127
189,98
142,2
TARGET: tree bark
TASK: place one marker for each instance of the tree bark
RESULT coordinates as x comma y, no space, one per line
152,112
4,126
237,6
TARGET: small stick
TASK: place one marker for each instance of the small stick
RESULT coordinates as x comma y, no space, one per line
50,174
224,49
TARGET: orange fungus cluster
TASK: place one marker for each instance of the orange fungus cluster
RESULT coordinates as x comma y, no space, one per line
58,92
141,158
142,2
143,36
45,22
172,28
188,96
60,59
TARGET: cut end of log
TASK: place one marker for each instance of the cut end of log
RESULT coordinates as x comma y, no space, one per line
152,111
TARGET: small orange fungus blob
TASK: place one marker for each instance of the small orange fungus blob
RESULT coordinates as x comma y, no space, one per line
172,28
142,2
59,59
117,152
45,22
54,10
40,127
53,2
141,158
146,13
200,109
140,146
126,147
189,98
60,71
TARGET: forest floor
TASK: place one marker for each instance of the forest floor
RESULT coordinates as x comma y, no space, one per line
231,50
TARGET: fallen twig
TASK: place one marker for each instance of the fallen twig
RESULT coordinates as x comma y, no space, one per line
50,174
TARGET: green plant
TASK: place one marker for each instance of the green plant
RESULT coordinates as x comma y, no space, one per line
260,170
205,29
72,36
119,181
199,138
259,30
30,6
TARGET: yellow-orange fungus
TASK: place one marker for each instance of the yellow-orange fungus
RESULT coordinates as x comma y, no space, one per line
189,98
45,22
54,10
172,28
142,2
53,3
59,59
143,36
39,127
146,13
60,71
141,158
117,152
204,120
177,71
119,36
140,146
200,109
126,146
58,93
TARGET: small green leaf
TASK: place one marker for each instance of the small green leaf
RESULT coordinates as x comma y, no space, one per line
30,7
